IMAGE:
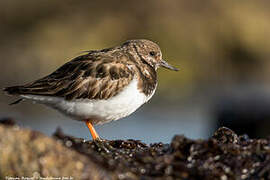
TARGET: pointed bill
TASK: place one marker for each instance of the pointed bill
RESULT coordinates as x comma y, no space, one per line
164,64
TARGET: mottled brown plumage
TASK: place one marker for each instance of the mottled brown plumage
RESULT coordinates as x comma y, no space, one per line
101,74
100,86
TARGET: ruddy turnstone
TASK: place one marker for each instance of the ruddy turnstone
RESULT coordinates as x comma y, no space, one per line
101,85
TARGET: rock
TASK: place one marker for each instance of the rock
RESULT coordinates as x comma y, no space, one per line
225,135
7,121
26,153
224,156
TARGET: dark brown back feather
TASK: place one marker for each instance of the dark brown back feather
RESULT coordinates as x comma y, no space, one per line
89,76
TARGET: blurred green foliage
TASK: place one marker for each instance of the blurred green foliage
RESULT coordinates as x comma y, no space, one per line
214,43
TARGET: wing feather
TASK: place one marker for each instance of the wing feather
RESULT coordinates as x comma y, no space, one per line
83,77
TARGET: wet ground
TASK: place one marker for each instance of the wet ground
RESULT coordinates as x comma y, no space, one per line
224,156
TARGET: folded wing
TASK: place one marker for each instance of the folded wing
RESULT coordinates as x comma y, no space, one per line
83,77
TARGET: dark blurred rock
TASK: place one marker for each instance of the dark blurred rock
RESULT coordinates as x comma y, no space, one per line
225,156
245,110
7,121
225,135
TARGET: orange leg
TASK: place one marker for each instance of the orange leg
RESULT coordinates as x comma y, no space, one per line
92,130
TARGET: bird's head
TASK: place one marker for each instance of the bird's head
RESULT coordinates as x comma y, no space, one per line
149,53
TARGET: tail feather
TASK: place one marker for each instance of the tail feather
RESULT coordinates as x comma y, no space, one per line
16,102
13,90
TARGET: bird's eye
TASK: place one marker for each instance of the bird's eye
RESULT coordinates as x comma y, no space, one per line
152,53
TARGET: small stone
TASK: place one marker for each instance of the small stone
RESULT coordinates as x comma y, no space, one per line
224,177
169,170
142,171
227,169
225,135
68,143
216,157
79,165
244,176
244,171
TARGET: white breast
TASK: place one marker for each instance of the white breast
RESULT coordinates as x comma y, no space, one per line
99,111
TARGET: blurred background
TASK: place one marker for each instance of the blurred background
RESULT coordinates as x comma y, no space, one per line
221,47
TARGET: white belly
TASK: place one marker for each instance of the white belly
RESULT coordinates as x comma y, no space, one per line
99,111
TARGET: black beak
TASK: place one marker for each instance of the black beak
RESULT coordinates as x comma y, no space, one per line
164,64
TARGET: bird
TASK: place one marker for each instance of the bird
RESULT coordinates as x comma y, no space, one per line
99,86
